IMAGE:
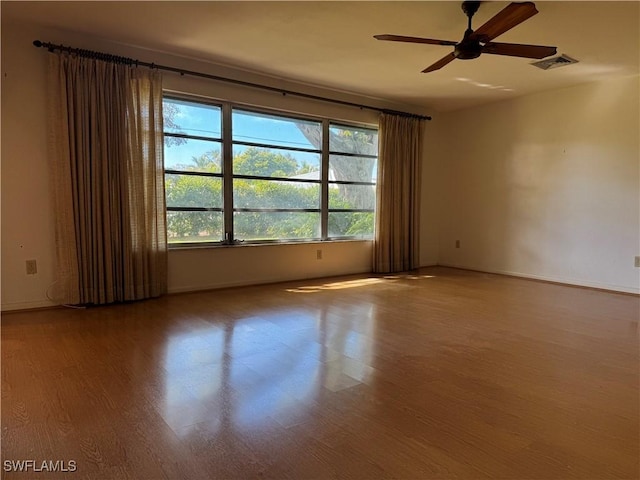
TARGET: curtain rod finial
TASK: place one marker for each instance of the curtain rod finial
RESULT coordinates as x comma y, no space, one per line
37,43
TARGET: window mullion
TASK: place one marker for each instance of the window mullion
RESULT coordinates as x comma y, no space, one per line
324,188
227,171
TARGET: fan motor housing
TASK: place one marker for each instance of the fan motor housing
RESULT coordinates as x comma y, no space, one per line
467,51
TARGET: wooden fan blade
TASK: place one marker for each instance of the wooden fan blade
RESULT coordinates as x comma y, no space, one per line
519,50
512,15
440,63
401,38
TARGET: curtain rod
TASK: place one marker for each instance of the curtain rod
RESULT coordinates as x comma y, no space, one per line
129,61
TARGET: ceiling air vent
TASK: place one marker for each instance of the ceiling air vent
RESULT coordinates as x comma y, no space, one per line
555,62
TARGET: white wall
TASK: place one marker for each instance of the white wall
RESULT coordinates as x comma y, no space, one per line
545,186
194,269
430,192
27,216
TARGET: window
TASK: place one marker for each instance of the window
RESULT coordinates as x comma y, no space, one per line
193,171
353,160
276,177
235,174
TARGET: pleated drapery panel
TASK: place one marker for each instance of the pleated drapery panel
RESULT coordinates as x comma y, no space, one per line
146,185
397,240
110,225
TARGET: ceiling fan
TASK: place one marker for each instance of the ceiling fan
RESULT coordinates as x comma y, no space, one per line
475,43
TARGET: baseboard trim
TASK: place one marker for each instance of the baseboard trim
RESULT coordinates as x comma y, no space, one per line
220,286
250,283
23,306
547,279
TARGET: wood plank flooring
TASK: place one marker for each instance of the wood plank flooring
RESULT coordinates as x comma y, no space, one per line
441,374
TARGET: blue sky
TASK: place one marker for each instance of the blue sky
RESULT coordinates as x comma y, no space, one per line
205,121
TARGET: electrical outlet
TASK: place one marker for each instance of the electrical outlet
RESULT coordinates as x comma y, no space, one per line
318,254
637,262
457,243
32,267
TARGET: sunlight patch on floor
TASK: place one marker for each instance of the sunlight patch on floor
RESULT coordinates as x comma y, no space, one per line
355,283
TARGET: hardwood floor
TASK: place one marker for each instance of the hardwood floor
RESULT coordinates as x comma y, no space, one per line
441,374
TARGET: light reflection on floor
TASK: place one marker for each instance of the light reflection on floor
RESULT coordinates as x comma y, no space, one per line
255,370
363,282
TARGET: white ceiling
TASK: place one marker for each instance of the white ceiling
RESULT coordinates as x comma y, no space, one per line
330,44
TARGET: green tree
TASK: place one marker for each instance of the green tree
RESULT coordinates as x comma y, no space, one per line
210,162
262,162
199,191
193,191
347,167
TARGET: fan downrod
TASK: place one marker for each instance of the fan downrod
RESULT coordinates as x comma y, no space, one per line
468,49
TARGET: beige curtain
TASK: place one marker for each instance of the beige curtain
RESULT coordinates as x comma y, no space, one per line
396,245
108,181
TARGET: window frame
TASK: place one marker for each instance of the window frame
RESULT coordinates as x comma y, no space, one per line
227,175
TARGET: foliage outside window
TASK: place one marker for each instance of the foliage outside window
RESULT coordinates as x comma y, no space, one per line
262,177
